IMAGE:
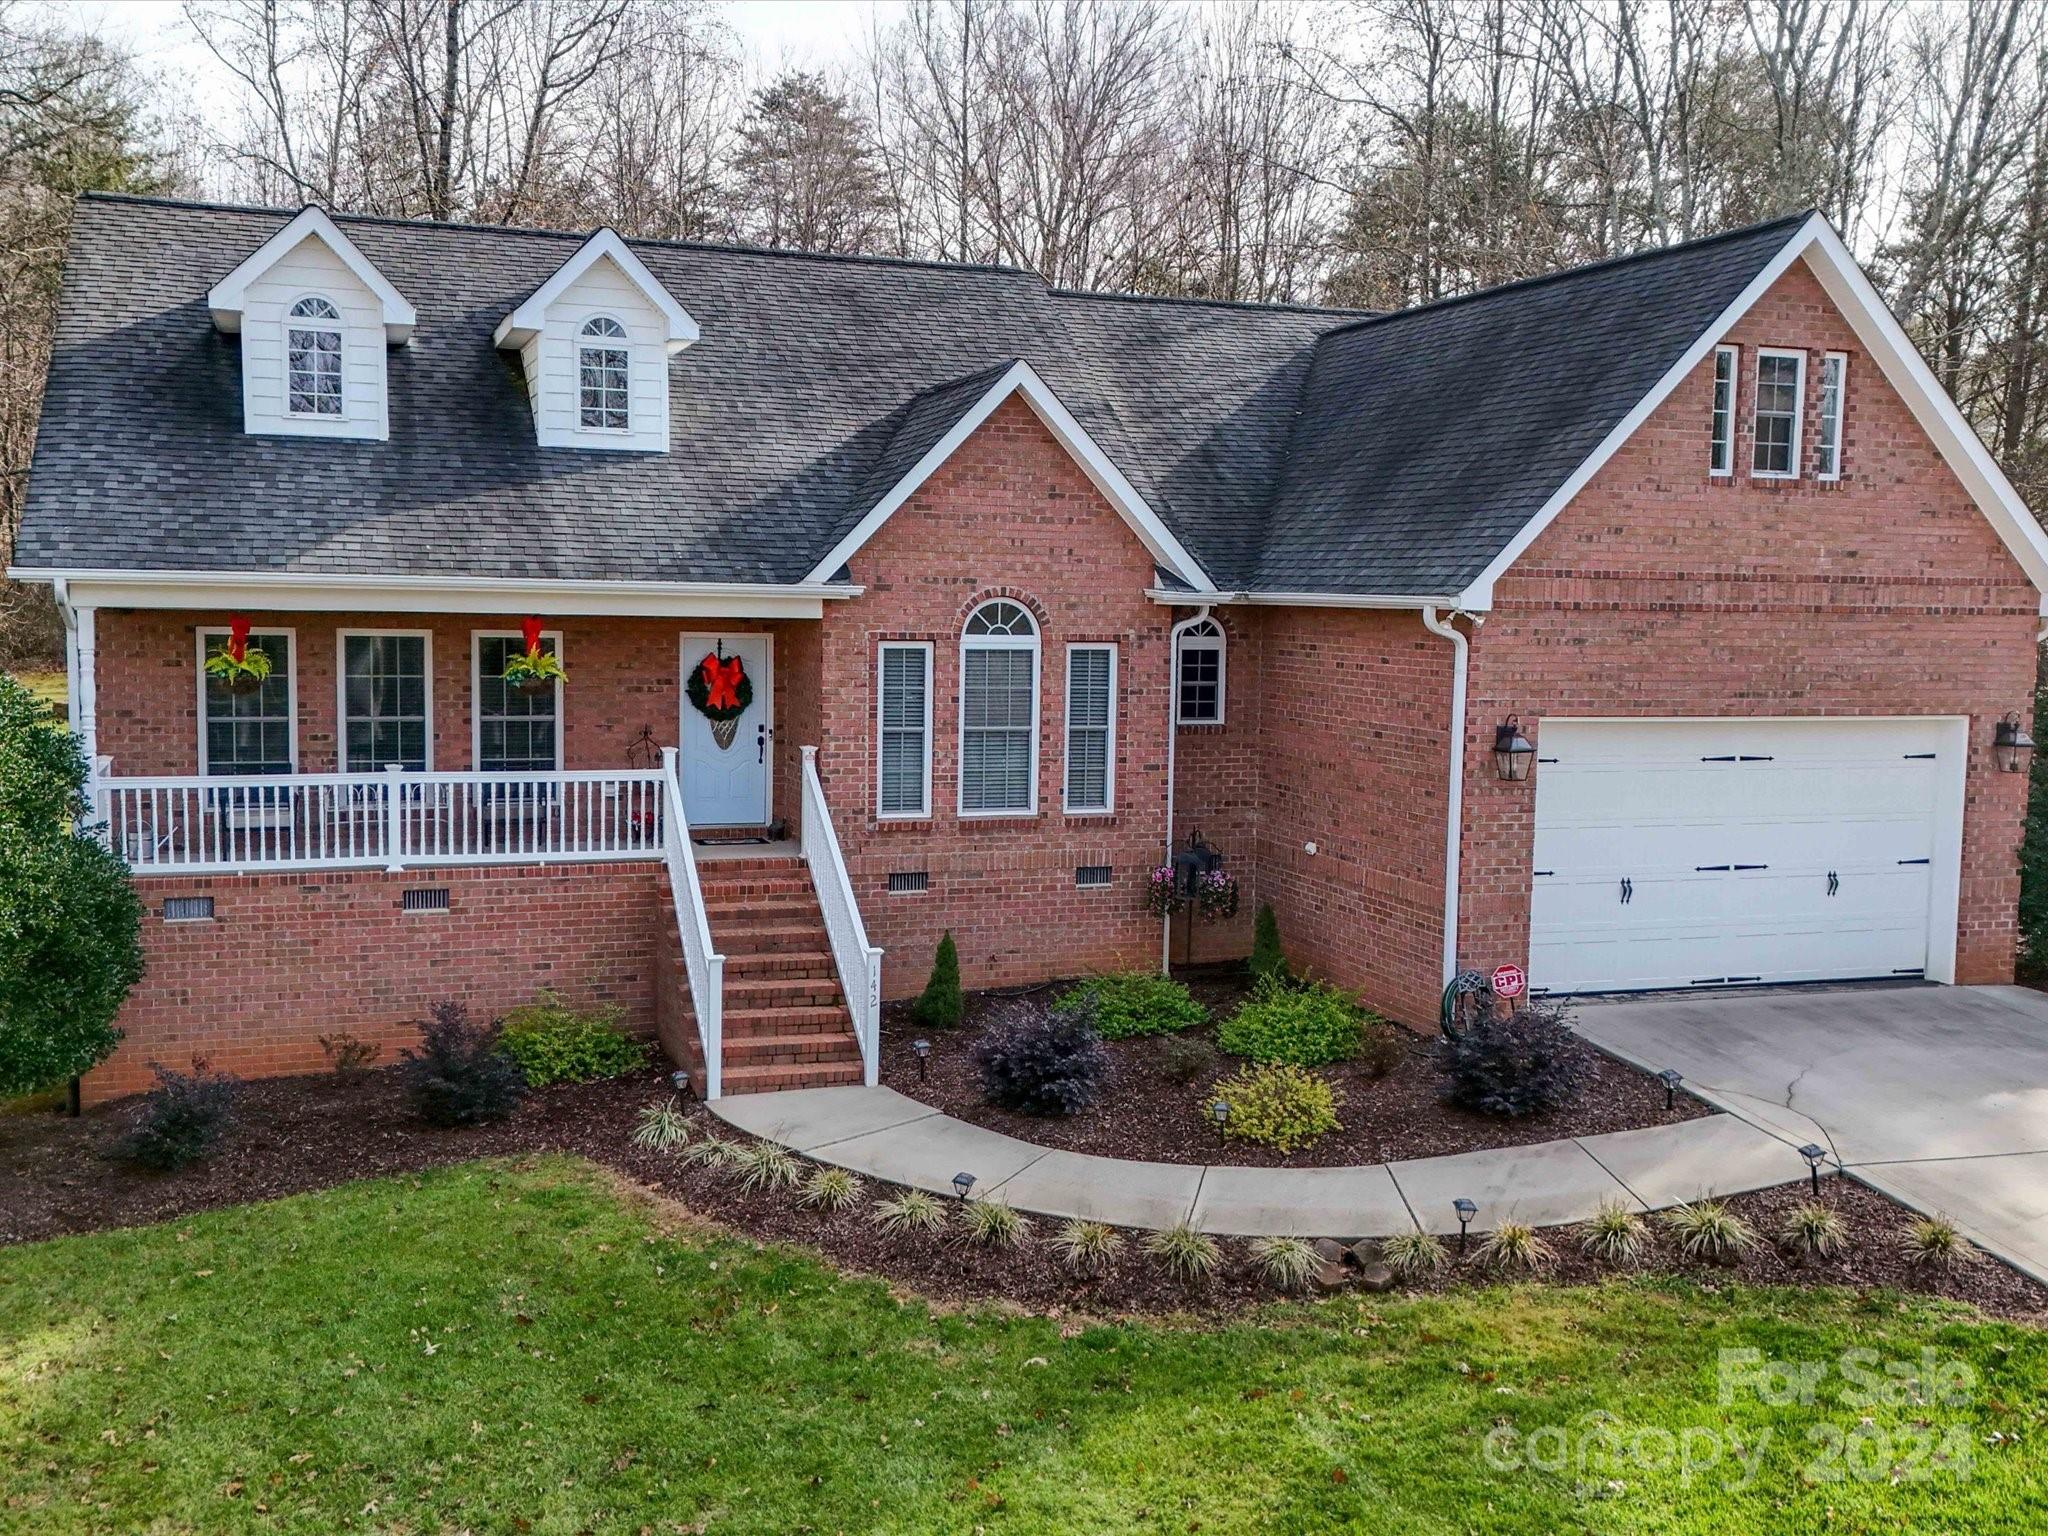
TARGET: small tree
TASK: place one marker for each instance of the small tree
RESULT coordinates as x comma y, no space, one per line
70,924
940,1005
1268,959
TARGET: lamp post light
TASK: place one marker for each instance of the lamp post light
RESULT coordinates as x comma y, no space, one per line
1813,1155
1512,752
962,1182
1220,1113
1466,1211
1670,1078
2011,744
924,1059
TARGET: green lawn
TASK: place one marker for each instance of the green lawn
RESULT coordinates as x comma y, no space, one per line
516,1348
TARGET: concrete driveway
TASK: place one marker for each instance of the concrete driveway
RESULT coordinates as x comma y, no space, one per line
1937,1096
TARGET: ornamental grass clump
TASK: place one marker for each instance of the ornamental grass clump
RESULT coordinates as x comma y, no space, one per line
1184,1252
1285,1262
1617,1234
1303,1026
1415,1255
1936,1243
830,1189
1133,1003
992,1224
1281,1107
1707,1229
1086,1248
661,1126
714,1152
912,1211
1514,1247
764,1165
1815,1229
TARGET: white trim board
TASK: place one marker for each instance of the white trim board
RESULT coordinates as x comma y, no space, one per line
525,322
1844,281
226,298
1019,379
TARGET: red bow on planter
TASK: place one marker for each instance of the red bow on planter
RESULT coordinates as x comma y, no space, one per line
238,639
531,629
722,682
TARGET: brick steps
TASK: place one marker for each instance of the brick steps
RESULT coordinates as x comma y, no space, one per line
809,1074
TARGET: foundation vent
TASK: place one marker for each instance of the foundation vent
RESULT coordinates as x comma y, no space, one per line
188,909
908,882
425,898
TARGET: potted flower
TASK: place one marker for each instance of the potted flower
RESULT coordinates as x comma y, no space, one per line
1163,895
1215,895
533,670
236,666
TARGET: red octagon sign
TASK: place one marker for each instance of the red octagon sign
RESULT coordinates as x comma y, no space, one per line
1508,981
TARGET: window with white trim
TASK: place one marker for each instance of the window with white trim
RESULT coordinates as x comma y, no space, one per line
1721,458
251,731
384,690
313,358
1198,675
516,731
1780,386
903,682
1091,713
999,711
603,375
1827,453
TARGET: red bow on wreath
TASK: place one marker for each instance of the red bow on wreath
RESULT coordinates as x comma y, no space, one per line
238,639
722,682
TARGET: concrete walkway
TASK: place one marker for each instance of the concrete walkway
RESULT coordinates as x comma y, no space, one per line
881,1133
1936,1096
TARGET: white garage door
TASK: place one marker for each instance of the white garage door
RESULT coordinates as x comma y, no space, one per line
1710,852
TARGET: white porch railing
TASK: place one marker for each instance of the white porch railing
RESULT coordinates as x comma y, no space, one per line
706,967
393,819
859,962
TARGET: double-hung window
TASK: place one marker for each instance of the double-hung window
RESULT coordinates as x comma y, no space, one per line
1721,458
384,710
516,731
603,376
1198,675
904,767
999,712
1780,386
251,731
1827,453
1091,728
313,358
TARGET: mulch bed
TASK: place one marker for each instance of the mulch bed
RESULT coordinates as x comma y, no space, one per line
1148,1115
297,1134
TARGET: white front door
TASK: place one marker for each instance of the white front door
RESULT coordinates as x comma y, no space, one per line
1679,853
726,770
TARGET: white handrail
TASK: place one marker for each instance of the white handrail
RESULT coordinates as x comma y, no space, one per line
705,965
858,961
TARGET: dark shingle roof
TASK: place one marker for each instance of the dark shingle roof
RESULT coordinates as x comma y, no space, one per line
1289,448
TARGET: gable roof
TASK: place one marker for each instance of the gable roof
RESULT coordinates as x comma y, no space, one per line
525,321
1281,451
225,299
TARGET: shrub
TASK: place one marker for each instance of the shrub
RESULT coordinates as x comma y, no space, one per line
830,1189
1414,1254
71,922
182,1117
1052,1064
1278,1106
1086,1248
1520,1063
993,1224
1617,1233
1514,1245
1811,1227
764,1165
1381,1047
1308,1026
1134,1003
1185,1252
1184,1060
458,1076
1707,1229
1936,1243
1286,1262
940,1005
912,1211
348,1057
554,1043
662,1126
1268,959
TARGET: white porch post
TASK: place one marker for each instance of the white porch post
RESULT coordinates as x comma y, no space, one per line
81,676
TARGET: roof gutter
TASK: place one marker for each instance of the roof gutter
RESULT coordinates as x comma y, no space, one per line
1399,601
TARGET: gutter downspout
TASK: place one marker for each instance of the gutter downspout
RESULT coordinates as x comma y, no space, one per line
1172,738
1454,801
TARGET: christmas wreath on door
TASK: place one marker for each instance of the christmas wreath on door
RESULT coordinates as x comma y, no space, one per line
720,691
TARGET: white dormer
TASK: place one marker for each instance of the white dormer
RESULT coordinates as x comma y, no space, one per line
595,340
315,318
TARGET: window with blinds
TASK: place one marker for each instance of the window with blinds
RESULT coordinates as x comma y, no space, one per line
905,730
1091,706
384,701
999,711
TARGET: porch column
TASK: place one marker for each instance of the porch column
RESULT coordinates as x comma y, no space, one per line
81,671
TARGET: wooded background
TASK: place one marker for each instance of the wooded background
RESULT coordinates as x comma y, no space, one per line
1359,152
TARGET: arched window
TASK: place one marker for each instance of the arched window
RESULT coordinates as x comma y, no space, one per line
312,354
999,711
1198,675
602,375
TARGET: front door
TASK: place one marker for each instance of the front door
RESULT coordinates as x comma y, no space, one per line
726,763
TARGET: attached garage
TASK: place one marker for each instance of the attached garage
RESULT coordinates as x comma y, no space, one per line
1717,852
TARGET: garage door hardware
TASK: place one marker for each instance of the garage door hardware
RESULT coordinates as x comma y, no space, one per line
1730,758
1745,757
1910,970
1701,869
1628,890
1834,882
1545,871
1721,981
1913,861
1921,757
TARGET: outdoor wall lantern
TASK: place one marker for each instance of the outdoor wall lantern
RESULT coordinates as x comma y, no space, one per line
2011,744
962,1182
1466,1211
1512,753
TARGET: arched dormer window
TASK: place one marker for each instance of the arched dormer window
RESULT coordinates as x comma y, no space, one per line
1198,675
602,375
999,711
312,355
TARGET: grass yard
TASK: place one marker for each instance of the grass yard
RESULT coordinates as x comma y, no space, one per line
520,1347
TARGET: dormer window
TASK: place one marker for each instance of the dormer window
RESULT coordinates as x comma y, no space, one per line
603,371
313,358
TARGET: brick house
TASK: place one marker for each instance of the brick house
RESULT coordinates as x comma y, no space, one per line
899,598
